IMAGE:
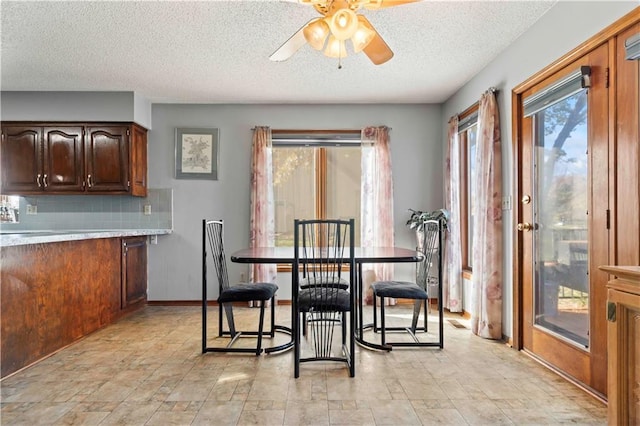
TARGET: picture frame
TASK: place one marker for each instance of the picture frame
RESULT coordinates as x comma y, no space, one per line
197,153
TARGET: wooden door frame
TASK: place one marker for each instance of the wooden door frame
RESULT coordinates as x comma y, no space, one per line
607,35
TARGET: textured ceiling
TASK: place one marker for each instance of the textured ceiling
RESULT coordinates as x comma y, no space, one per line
217,52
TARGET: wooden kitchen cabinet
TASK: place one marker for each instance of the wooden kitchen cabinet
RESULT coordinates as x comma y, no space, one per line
56,293
53,294
623,344
21,159
138,162
107,158
62,159
37,159
134,271
73,158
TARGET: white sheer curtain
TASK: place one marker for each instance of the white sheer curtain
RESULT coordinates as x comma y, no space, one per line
376,202
262,225
452,271
486,319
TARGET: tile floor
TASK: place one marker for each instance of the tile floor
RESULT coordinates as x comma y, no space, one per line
147,369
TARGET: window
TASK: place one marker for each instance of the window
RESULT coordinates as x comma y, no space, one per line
468,131
9,208
315,177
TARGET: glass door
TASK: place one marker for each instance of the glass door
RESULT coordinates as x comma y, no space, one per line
560,206
563,190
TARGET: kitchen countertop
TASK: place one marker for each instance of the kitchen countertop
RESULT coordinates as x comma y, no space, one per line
19,238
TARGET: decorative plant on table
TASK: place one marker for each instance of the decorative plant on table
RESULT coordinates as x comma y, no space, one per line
418,218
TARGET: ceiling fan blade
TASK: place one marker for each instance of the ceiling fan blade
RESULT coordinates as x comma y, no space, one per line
378,51
290,46
381,4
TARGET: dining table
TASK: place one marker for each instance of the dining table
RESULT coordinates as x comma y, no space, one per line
363,255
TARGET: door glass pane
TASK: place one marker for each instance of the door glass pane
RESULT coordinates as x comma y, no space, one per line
294,189
561,289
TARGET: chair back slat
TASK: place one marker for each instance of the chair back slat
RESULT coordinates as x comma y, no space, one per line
430,249
215,246
322,249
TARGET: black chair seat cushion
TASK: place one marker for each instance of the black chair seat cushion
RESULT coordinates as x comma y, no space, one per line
324,280
324,299
246,292
398,289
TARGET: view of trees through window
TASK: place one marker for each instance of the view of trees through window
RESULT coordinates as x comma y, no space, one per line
468,143
467,134
561,191
313,182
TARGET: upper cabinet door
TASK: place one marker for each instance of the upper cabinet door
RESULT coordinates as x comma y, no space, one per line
138,160
63,163
107,158
21,159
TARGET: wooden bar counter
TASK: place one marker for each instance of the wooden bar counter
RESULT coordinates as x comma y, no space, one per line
57,287
623,342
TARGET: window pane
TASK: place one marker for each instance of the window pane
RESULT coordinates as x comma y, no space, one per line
343,185
294,189
472,135
297,175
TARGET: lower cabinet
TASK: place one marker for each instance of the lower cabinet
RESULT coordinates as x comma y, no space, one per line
623,344
55,293
134,271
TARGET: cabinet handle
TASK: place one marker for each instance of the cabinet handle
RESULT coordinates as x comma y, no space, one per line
38,180
44,180
89,181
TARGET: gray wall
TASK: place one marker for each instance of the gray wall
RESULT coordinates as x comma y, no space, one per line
76,106
174,264
559,31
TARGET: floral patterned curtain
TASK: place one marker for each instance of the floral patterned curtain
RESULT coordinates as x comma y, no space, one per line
376,208
452,270
486,320
262,225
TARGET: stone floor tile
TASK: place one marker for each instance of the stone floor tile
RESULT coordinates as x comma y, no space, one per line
148,369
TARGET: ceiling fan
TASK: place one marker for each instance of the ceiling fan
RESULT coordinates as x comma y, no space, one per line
339,23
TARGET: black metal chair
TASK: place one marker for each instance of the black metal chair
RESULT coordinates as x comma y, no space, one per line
212,243
312,277
323,253
418,291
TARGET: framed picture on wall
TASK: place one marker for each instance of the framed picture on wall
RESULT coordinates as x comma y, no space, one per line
197,153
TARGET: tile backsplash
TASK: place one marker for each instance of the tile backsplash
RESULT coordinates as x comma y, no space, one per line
95,212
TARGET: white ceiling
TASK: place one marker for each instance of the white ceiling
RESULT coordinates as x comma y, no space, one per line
217,52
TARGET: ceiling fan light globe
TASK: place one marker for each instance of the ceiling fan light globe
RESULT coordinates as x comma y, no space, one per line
335,48
316,33
343,24
362,37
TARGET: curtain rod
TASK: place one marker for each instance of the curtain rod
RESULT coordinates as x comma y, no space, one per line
311,132
475,105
